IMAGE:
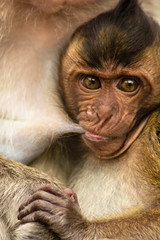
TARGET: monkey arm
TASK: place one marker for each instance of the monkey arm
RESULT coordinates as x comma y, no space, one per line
3,231
62,215
138,226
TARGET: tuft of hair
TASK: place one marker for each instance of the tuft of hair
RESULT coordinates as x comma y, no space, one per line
126,5
117,36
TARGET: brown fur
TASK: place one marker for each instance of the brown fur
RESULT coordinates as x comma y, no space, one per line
140,173
117,180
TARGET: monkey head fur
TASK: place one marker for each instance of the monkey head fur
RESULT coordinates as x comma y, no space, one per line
110,77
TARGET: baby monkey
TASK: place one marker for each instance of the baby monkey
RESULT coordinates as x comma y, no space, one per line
110,78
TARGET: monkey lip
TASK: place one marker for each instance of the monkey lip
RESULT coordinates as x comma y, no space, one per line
97,138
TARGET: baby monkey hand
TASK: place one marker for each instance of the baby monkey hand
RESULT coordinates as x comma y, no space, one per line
59,210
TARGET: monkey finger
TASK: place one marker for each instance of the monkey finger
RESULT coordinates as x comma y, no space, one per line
46,201
51,189
22,206
72,195
66,194
41,205
40,194
38,216
34,206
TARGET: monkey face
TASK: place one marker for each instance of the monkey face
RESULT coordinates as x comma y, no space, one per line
108,84
110,106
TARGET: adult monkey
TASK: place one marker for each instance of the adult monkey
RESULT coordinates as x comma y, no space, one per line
32,33
110,80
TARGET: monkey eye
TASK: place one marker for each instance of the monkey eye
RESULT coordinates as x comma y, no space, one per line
91,82
130,84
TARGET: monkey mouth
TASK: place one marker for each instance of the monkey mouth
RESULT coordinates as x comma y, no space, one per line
107,147
97,138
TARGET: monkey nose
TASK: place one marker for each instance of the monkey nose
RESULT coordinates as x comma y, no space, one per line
91,111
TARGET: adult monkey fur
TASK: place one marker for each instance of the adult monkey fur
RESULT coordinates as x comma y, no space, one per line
32,32
113,74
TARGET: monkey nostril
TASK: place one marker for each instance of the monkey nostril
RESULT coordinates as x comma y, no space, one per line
105,121
97,114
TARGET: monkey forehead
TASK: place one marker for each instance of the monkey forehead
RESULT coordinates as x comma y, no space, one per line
76,58
146,64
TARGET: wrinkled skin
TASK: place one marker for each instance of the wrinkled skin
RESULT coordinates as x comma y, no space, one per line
108,115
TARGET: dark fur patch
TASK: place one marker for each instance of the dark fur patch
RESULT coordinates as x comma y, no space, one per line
117,36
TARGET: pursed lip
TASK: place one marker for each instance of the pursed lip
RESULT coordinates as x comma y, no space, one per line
96,138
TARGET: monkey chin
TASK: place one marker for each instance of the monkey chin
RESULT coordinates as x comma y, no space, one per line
107,147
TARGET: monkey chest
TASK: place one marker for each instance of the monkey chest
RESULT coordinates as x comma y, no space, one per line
104,192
